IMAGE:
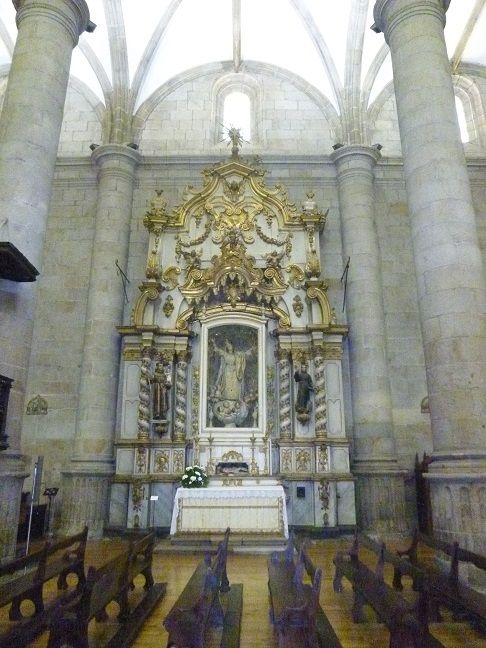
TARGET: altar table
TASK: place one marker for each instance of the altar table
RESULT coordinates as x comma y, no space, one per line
256,510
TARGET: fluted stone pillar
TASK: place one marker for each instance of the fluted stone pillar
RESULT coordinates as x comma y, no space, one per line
30,124
449,271
92,462
380,486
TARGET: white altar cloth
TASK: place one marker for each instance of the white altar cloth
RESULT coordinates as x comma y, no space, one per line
255,510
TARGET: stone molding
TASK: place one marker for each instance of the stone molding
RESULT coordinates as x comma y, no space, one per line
387,16
110,153
73,15
362,158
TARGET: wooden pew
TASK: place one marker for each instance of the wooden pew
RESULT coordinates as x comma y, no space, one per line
198,607
444,587
407,623
111,582
24,578
298,619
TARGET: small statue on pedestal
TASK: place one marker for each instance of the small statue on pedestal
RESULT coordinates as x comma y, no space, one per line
160,396
304,389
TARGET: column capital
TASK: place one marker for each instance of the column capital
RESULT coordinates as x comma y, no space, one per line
73,15
388,13
114,153
355,159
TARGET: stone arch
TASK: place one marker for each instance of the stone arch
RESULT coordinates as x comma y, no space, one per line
468,93
237,82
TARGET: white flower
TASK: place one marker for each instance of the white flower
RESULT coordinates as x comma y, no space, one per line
192,478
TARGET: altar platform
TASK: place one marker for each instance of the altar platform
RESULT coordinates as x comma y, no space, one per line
256,514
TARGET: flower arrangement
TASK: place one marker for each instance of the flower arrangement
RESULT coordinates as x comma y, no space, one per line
194,477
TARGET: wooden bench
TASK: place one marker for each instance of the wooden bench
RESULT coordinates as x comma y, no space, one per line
111,582
444,586
198,607
23,580
295,612
407,622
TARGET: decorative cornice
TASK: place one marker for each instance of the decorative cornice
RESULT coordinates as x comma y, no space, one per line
387,16
73,15
355,159
109,156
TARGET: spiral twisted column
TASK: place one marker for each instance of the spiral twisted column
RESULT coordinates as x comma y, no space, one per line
450,278
144,397
285,414
181,380
320,396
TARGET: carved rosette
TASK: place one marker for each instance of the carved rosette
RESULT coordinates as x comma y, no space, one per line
303,460
161,461
320,398
284,406
144,397
180,397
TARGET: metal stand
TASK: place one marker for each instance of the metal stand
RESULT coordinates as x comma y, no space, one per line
50,493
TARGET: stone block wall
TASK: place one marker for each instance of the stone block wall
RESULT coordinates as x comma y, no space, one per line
178,141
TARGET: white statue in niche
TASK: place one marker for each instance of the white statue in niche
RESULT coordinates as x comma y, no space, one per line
230,381
232,376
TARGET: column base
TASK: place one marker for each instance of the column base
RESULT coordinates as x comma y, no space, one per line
458,499
12,474
380,499
85,500
458,502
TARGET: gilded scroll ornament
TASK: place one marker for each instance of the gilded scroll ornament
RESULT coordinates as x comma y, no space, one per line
150,291
169,276
296,276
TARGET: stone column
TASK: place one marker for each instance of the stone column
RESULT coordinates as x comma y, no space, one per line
380,487
29,134
92,461
451,286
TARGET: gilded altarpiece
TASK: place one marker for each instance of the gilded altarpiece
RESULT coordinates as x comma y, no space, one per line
232,357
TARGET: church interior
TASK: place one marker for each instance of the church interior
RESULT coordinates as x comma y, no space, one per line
242,247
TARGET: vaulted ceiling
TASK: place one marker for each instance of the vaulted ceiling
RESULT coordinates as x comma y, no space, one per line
138,47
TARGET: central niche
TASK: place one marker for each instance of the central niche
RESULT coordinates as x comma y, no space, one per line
232,378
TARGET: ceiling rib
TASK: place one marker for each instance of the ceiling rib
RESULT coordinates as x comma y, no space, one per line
466,34
236,34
